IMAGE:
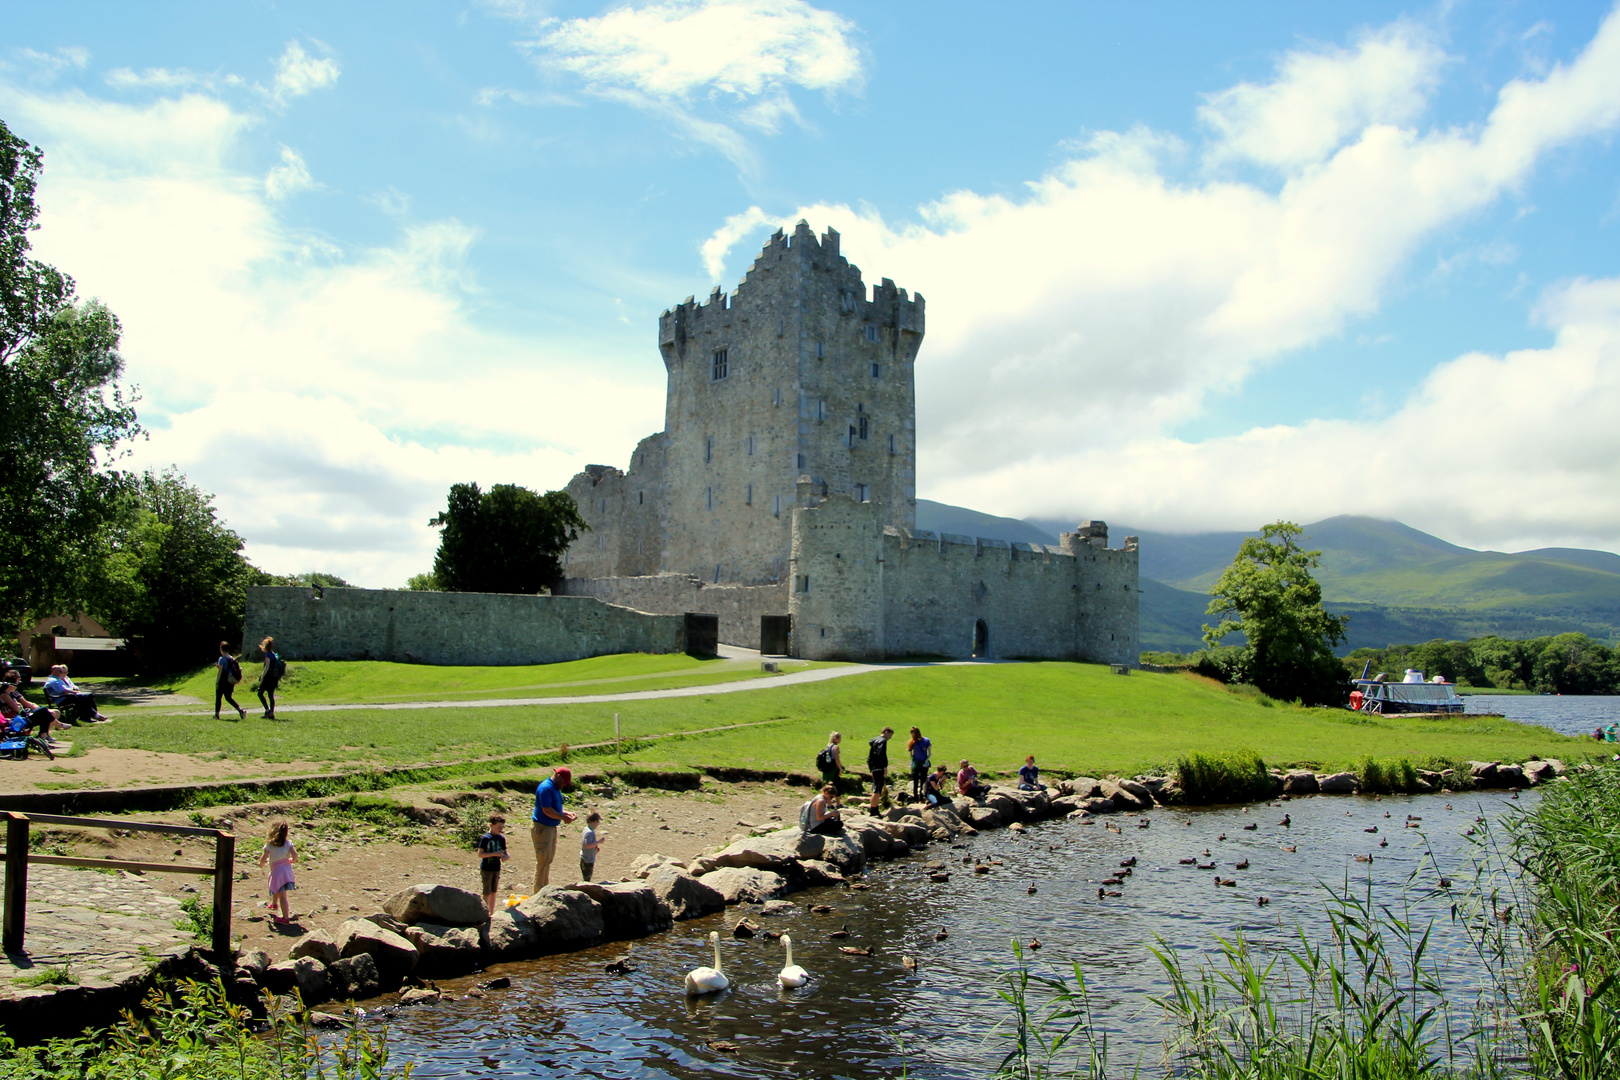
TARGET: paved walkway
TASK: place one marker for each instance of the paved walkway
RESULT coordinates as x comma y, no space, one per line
109,928
767,682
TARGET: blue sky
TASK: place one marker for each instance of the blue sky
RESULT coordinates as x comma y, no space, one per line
1188,266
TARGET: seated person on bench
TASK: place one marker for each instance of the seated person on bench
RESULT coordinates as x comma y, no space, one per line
15,708
78,706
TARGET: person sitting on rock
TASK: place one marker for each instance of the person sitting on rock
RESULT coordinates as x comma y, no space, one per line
1029,776
935,785
824,816
967,781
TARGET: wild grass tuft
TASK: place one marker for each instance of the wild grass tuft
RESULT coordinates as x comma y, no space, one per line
1237,776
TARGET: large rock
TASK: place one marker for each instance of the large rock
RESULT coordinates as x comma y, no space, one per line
1339,783
778,851
646,866
253,962
1064,805
911,830
313,984
1300,782
984,817
745,885
508,933
445,905
563,918
813,873
630,909
1083,787
1127,794
1099,804
943,819
354,977
1510,776
684,895
1483,772
394,956
1538,772
1558,767
281,978
317,944
1005,803
444,950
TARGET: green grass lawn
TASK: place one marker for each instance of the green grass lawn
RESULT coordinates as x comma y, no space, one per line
1073,717
334,682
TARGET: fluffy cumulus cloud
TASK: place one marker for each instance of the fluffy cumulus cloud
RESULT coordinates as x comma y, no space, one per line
298,73
709,65
304,384
1072,326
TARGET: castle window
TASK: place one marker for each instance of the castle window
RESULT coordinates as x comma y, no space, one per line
846,300
801,583
641,496
776,399
863,493
821,350
801,461
776,505
871,333
708,449
749,446
821,409
717,573
721,365
748,496
877,370
708,498
865,427
849,440
891,444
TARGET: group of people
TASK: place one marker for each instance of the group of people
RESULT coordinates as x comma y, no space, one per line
228,672
67,705
930,783
548,817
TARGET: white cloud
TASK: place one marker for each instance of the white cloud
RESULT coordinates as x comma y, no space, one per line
288,176
298,73
1110,302
737,60
328,397
737,226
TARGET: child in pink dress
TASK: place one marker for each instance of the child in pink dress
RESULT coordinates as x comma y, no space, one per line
280,854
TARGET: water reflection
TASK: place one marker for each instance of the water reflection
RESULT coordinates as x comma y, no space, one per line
866,1016
1571,715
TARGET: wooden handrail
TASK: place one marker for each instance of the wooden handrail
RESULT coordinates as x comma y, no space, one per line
17,858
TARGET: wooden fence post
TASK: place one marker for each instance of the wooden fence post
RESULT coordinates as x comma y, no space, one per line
16,902
224,870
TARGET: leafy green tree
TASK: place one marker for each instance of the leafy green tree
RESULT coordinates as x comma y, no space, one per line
507,539
423,583
62,416
306,579
1269,595
177,580
1575,664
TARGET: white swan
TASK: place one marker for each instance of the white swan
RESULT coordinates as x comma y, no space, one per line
792,975
707,980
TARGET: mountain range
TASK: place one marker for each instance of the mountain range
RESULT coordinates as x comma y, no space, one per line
1397,584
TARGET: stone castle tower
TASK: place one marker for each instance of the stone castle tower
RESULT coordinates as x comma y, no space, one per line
781,494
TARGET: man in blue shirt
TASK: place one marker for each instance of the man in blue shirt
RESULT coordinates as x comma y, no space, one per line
549,815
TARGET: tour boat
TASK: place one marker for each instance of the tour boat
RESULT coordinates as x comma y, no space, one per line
1411,695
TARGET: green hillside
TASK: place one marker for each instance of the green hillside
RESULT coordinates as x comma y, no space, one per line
1397,583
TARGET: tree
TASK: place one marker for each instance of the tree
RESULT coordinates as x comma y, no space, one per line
1575,664
423,583
508,539
62,416
176,579
1269,595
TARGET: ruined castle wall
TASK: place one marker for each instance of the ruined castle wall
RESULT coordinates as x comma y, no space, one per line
739,606
626,514
936,589
452,628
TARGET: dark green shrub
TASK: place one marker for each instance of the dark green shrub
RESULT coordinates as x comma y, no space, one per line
1238,776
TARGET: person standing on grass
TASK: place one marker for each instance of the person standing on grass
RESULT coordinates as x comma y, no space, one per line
549,816
228,672
831,761
492,852
877,760
280,854
274,669
920,749
589,845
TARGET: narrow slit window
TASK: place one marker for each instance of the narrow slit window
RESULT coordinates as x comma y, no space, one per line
748,495
722,364
749,446
865,427
871,333
776,506
821,350
641,497
862,493
776,399
708,449
708,498
891,444
877,370
801,583
801,460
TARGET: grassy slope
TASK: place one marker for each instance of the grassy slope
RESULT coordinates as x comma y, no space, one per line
372,681
1071,716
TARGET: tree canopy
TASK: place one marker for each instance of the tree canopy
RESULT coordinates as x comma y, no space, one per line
1560,664
62,416
507,539
1269,595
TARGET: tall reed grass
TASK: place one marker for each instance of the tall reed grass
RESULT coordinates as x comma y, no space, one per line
1237,776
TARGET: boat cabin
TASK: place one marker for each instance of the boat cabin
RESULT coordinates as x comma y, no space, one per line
1412,695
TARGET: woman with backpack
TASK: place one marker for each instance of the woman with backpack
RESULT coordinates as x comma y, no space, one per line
227,675
274,668
830,761
920,749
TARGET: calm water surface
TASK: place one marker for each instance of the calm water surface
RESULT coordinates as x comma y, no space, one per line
1571,715
564,1017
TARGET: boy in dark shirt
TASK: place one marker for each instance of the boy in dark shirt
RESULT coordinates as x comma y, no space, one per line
492,852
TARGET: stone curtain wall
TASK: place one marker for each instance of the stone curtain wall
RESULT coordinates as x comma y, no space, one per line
452,628
739,606
864,591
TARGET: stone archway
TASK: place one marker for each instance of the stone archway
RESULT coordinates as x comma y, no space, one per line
981,639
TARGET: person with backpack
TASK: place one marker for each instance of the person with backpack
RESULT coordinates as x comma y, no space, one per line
274,668
920,749
820,814
830,761
229,673
877,761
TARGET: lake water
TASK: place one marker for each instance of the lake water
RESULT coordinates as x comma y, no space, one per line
869,1016
1572,715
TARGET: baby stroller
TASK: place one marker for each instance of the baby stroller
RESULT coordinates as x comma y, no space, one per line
17,741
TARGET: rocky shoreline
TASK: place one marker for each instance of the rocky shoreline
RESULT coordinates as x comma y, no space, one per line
427,931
